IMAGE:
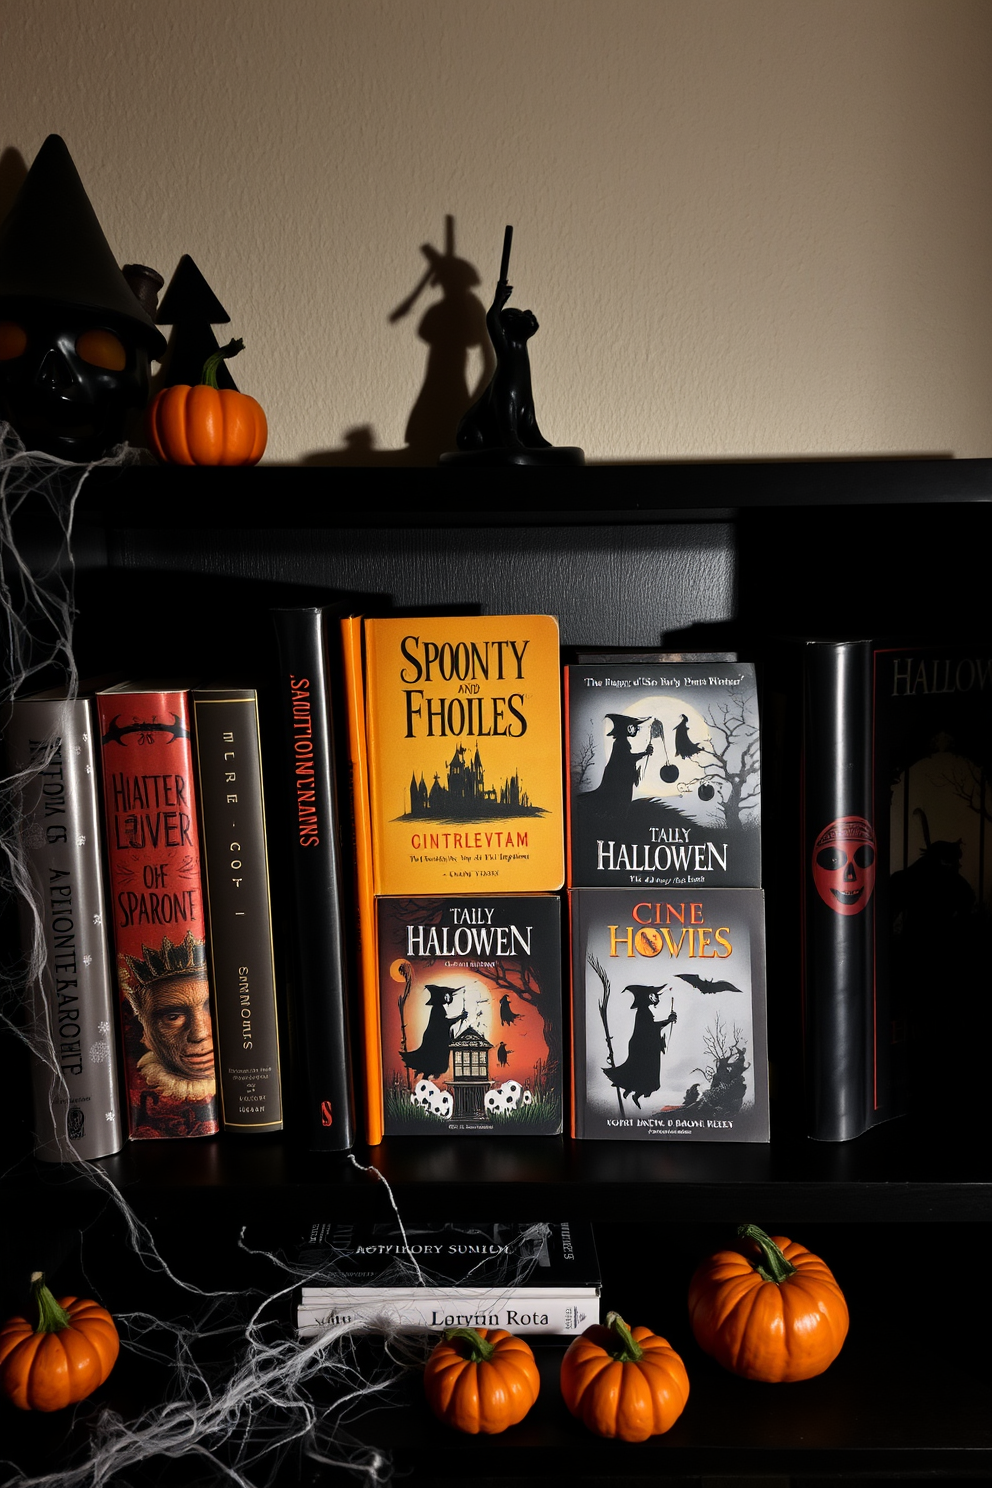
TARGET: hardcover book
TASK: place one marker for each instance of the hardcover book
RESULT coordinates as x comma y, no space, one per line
470,1035
239,909
363,899
532,1278
52,745
464,744
158,909
663,766
308,646
668,1015
898,897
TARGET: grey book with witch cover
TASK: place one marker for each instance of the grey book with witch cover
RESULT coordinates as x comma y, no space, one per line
668,1015
663,762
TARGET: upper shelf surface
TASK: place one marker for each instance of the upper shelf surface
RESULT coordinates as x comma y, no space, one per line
302,497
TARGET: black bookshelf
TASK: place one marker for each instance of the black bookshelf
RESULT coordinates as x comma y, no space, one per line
184,563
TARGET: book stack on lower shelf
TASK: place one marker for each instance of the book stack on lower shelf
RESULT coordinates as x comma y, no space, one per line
526,1278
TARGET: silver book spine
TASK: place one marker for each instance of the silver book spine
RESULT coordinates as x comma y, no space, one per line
71,1017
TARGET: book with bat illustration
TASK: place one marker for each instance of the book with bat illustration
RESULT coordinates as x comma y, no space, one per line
668,1015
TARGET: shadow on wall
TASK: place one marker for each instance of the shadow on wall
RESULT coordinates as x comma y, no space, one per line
12,173
452,327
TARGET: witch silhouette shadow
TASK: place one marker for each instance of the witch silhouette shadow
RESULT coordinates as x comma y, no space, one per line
452,327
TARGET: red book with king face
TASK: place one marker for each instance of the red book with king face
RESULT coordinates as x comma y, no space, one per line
157,908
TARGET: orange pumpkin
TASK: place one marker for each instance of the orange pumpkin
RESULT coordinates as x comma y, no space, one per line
481,1379
61,1359
768,1310
206,424
626,1382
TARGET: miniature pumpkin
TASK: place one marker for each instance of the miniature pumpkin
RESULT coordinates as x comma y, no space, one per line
768,1310
207,424
63,1358
481,1379
625,1382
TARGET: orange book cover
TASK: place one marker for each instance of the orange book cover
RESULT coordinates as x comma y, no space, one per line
463,729
368,994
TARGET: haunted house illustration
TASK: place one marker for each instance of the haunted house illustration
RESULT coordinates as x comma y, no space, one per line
466,794
469,1079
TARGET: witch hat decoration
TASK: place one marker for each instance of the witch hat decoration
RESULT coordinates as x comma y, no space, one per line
75,341
190,306
52,247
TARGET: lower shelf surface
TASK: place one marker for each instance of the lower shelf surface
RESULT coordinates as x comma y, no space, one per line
904,1400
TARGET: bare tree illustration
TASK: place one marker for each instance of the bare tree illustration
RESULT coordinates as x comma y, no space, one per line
521,977
721,1046
732,757
583,759
970,783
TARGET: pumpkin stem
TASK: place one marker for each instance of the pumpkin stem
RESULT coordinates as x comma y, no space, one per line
773,1265
51,1317
471,1345
625,1349
209,377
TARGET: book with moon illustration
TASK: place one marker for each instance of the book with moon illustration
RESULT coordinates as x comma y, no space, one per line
470,1032
663,774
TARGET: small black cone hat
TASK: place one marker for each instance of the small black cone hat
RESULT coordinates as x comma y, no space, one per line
52,247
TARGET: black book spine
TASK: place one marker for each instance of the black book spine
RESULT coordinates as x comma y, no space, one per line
318,993
838,855
239,913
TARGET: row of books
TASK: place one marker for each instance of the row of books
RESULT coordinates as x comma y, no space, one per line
450,891
426,923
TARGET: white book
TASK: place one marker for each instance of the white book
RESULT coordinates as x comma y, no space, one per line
530,1314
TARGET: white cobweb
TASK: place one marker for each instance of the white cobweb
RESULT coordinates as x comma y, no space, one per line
244,1398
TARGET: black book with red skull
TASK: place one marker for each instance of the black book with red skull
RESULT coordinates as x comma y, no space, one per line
896,808
664,785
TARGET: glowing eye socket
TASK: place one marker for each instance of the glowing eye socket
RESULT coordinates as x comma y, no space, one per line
13,340
102,349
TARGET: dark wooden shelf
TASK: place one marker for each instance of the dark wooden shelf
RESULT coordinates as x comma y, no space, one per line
186,563
296,497
896,1173
907,1398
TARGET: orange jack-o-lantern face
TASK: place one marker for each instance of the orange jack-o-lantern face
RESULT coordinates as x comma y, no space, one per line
844,864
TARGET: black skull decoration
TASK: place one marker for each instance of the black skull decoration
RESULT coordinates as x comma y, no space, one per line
75,341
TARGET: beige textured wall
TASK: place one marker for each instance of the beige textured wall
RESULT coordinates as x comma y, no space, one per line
748,227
